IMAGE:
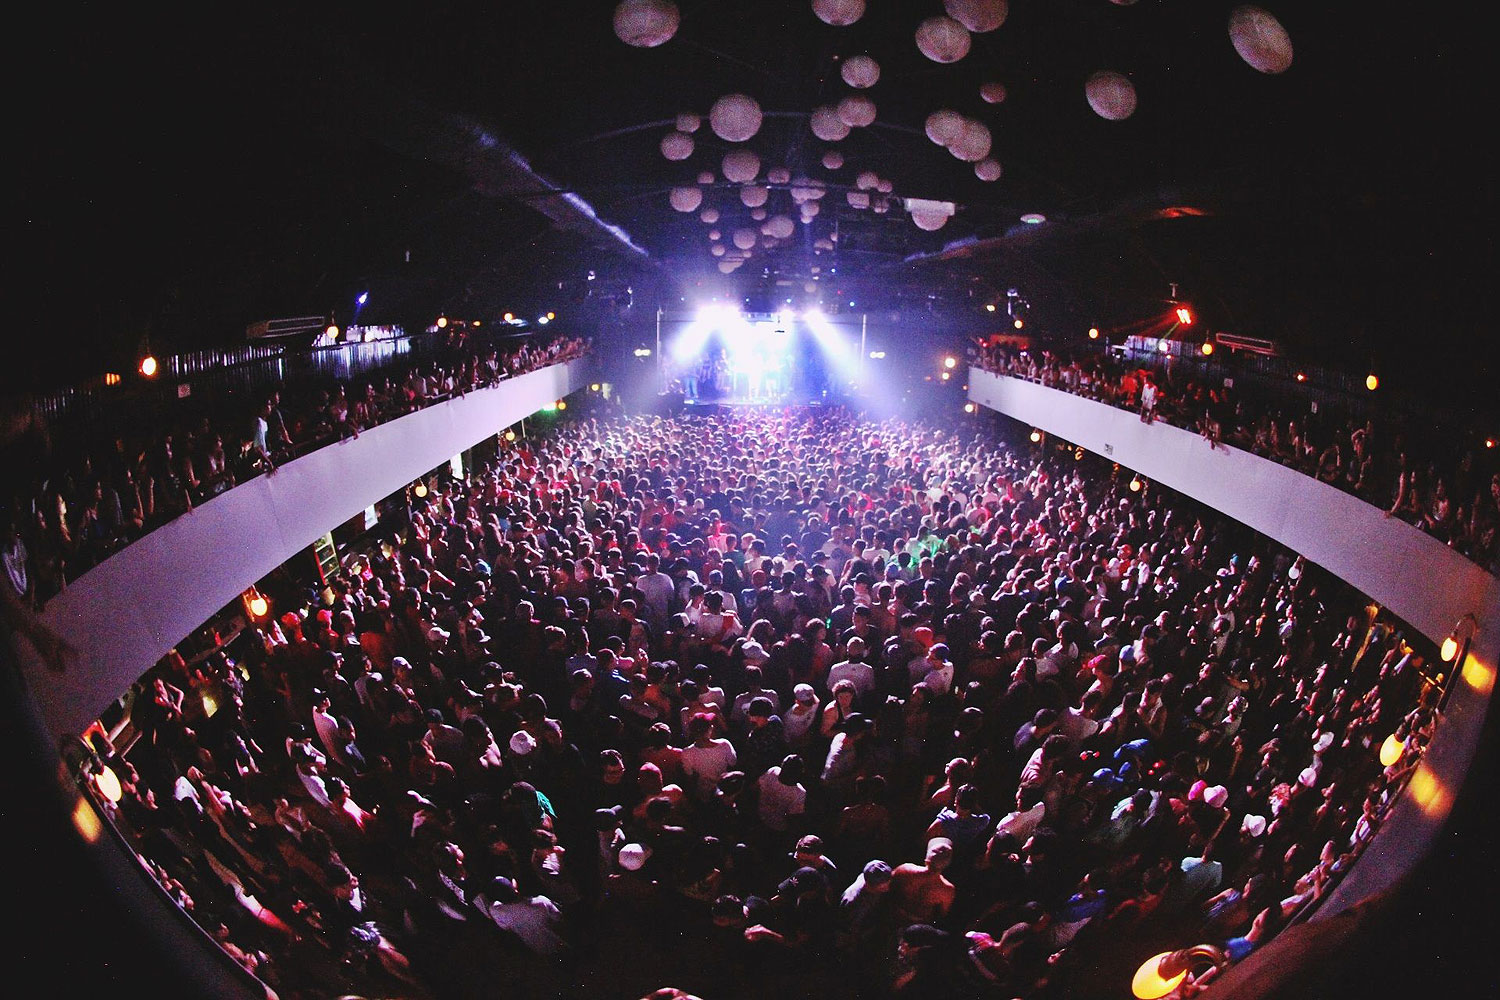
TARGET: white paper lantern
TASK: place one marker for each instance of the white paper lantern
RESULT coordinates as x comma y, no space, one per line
717,249
709,215
928,220
735,117
885,187
823,244
867,180
744,238
858,199
728,266
972,143
714,234
833,159
826,124
807,190
978,15
753,195
686,199
992,92
758,214
942,39
1111,95
676,145
646,23
688,122
740,166
943,126
1260,39
780,226
810,209
779,175
839,13
856,111
987,170
860,71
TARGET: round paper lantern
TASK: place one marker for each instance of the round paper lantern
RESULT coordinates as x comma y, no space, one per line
943,126
860,71
807,190
839,13
1111,95
987,170
856,111
779,175
866,180
709,215
992,92
942,39
758,214
741,166
1260,39
717,249
686,199
822,244
858,199
728,266
972,143
735,117
978,15
885,187
676,145
826,124
928,220
744,238
810,209
714,234
780,226
706,177
833,159
753,195
646,23
688,122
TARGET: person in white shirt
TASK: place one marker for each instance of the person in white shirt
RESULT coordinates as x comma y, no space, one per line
782,797
707,759
535,920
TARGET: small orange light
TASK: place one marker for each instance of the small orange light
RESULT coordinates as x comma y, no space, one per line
510,435
1489,442
1036,436
1148,982
1449,650
1390,750
259,606
1208,348
1135,484
989,307
1093,333
1019,323
594,387
562,404
420,490
111,378
552,315
332,329
442,322
1301,377
1371,382
968,407
510,317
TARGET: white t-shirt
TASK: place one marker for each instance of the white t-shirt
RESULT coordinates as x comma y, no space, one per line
705,765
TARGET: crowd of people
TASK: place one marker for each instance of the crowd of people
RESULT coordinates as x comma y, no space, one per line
1451,490
773,701
70,506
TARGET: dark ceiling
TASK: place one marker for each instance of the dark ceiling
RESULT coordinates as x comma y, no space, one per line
186,175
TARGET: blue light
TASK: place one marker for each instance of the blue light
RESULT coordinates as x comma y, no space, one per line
363,298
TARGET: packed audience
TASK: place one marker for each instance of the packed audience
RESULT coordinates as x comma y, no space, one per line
776,701
1451,492
99,489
